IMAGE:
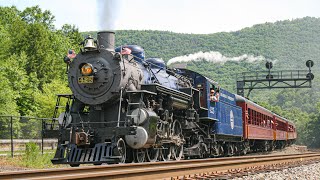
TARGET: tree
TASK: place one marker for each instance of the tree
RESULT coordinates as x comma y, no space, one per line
31,66
72,32
34,15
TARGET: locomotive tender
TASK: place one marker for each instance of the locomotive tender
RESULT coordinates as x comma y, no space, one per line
127,108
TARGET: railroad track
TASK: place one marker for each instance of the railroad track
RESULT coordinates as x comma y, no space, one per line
159,170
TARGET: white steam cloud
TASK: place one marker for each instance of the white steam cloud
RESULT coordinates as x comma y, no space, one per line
108,12
214,57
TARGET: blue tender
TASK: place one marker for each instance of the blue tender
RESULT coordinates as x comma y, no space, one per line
225,114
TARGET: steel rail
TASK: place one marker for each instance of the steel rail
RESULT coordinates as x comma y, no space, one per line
157,170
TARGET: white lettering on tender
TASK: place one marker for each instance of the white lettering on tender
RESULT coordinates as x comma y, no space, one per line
227,97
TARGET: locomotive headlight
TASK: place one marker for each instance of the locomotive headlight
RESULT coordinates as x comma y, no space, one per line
86,69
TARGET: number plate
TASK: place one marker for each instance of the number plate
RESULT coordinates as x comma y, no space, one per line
85,80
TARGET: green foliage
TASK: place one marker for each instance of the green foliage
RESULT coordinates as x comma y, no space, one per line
72,32
295,41
7,97
34,15
32,32
45,100
312,133
32,70
31,153
33,158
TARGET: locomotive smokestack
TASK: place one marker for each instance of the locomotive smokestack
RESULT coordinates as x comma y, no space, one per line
106,40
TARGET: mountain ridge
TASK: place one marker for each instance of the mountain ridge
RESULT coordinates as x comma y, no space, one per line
289,40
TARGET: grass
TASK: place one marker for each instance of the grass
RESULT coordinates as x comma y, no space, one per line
23,151
31,158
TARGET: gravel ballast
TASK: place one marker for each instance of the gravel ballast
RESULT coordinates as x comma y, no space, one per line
310,172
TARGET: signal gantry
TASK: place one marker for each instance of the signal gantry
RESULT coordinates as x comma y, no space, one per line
274,79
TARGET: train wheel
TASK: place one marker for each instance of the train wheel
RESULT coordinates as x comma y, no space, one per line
201,152
121,145
244,152
176,129
273,146
214,150
265,146
165,153
177,152
230,150
140,155
246,148
153,154
177,148
236,150
270,145
221,150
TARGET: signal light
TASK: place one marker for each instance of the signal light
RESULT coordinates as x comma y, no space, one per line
269,65
309,63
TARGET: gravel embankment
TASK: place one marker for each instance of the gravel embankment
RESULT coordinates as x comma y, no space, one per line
310,172
12,168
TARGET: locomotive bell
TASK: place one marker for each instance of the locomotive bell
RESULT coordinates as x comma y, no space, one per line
89,44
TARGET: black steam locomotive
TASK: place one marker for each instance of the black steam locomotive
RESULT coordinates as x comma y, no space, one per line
127,108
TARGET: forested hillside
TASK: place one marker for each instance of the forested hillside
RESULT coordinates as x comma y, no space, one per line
33,71
294,41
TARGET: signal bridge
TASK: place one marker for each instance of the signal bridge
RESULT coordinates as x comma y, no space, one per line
274,79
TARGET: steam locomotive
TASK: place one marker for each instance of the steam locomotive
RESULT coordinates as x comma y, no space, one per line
127,108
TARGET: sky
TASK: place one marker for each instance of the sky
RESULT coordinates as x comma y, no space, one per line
182,16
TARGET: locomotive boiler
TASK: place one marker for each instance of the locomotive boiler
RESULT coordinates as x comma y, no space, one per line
126,108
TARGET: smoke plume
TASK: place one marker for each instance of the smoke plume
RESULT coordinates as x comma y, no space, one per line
214,57
108,13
